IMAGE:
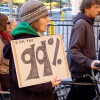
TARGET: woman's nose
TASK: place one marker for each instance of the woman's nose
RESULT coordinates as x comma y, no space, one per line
48,19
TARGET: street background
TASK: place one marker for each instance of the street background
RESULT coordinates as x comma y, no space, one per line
61,18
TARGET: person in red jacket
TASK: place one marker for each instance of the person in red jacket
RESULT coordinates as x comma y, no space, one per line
4,63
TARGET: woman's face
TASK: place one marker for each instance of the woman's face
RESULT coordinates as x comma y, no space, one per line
43,24
13,24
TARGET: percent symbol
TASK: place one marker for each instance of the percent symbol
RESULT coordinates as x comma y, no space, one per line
56,53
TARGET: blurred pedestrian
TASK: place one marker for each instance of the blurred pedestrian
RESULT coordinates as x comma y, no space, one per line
82,54
19,6
99,48
34,16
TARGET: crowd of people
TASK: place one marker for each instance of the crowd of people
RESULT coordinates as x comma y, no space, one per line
81,55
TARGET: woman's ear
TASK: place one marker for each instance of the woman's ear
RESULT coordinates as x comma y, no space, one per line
39,23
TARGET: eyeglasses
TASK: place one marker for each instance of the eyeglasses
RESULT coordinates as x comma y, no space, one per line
8,22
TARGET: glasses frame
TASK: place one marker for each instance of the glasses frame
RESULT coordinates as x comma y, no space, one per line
8,22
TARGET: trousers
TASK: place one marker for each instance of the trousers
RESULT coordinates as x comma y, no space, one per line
82,92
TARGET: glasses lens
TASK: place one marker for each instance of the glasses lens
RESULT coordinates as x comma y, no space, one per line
8,22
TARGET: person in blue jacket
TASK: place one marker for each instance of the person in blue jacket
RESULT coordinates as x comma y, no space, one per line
34,17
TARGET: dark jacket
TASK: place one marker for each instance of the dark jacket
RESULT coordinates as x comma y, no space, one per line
81,51
99,48
35,92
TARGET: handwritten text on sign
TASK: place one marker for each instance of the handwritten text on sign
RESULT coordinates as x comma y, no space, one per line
37,60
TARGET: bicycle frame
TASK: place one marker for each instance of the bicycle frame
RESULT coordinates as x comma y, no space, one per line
95,82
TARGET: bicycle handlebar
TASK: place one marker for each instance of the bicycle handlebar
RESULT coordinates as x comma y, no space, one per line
97,65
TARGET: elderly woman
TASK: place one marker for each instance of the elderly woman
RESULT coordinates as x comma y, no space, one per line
4,63
34,16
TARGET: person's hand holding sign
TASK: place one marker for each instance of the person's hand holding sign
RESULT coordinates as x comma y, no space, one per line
55,82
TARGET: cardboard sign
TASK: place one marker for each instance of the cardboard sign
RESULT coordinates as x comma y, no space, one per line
38,59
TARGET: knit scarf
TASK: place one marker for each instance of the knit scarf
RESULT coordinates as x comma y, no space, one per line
5,37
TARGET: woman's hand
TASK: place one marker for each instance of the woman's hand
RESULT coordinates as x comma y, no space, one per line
55,82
